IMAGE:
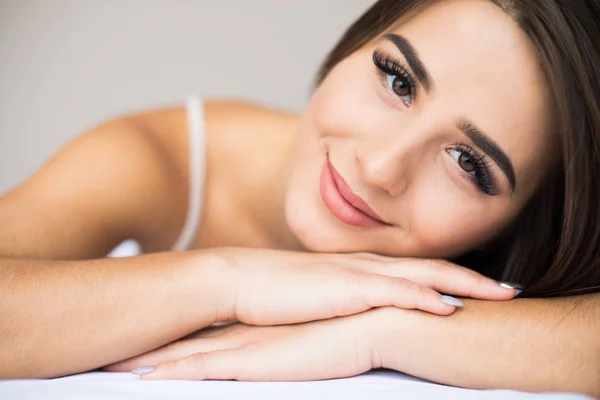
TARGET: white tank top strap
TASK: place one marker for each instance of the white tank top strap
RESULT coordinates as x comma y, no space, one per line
197,172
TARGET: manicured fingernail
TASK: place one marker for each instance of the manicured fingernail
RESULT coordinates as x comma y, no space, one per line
510,285
452,301
518,292
144,370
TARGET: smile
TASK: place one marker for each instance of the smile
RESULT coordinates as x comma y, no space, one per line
343,203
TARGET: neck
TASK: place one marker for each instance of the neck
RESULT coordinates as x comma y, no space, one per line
268,205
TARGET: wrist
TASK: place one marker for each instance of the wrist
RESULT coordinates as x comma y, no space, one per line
388,333
215,283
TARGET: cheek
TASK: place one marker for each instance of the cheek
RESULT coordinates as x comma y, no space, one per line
450,231
343,105
445,222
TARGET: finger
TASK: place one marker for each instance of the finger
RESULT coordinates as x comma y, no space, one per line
279,362
444,277
381,291
217,365
449,278
174,351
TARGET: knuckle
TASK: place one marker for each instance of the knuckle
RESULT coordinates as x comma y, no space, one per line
423,291
440,265
480,280
196,360
422,295
432,266
447,267
408,292
402,284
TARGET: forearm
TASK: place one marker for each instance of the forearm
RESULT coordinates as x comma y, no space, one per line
63,317
525,344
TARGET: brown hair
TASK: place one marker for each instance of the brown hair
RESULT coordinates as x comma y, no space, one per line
553,247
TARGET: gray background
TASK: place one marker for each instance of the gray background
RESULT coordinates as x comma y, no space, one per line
66,65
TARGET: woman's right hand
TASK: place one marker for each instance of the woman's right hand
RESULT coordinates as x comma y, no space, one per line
270,287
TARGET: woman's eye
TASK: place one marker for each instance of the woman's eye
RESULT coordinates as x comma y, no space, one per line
464,160
476,166
401,87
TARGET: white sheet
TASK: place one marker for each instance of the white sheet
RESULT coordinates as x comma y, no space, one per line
376,385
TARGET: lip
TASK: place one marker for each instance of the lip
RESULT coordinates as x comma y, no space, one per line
347,206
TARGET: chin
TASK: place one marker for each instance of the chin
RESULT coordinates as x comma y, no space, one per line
322,242
318,232
313,229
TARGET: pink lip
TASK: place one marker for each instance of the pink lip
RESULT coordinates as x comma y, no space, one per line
343,202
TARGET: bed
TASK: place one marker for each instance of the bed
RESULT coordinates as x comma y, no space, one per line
380,385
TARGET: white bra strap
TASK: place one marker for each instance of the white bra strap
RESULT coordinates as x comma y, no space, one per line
197,165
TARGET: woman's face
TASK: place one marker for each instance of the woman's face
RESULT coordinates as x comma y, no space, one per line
426,142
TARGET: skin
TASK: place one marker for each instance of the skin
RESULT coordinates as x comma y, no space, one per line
395,157
489,345
131,180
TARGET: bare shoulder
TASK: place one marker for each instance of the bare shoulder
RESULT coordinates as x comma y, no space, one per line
106,185
247,134
233,127
240,123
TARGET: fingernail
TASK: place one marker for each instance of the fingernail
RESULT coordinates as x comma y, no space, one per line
510,285
452,301
518,292
144,370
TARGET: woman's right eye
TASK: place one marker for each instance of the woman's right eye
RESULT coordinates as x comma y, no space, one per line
401,87
396,77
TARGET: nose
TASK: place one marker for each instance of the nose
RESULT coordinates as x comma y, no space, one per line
388,162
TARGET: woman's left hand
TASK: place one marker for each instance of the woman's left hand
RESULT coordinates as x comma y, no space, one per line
334,348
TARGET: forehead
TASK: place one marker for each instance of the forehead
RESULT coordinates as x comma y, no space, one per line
486,70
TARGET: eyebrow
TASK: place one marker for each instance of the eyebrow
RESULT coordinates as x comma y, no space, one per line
412,57
488,146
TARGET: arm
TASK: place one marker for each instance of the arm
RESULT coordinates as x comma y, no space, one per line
524,344
120,180
85,314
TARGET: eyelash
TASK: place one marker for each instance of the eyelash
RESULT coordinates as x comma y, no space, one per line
393,67
484,178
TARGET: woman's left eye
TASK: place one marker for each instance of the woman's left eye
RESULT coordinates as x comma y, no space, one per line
475,166
464,160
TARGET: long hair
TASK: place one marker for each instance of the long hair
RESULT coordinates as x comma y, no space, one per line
553,246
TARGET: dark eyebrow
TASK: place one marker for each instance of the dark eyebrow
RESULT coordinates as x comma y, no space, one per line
490,148
412,57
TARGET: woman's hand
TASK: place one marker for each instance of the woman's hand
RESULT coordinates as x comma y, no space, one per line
334,348
267,287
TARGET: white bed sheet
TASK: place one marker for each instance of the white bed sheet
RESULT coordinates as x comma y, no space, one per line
378,385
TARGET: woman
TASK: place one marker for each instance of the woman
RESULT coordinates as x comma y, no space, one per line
459,129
